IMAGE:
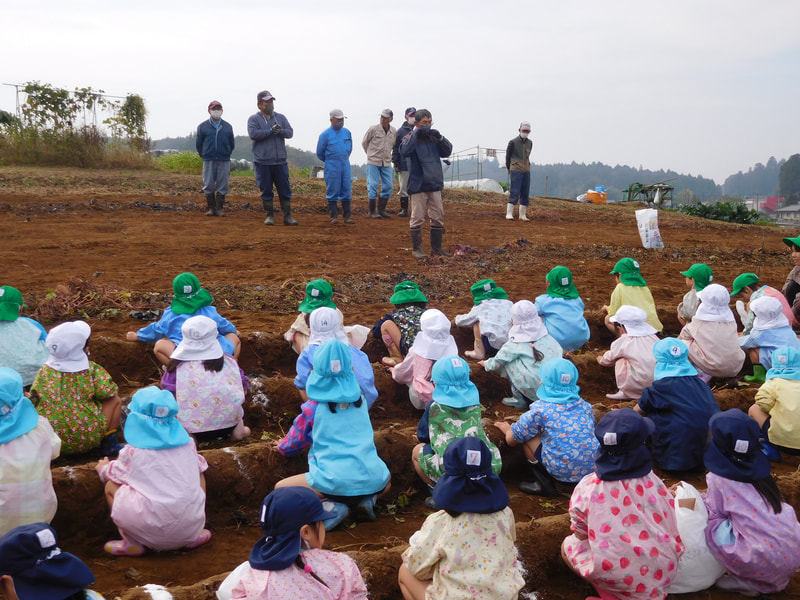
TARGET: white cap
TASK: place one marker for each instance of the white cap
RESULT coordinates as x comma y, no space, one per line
634,319
337,113
65,343
525,125
199,340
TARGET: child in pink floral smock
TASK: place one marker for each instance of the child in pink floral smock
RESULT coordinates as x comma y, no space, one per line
626,541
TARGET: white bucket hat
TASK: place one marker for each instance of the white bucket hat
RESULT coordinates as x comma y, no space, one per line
325,324
528,325
769,313
634,319
199,340
65,343
434,340
714,300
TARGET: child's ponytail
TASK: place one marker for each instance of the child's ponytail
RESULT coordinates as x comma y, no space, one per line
300,564
770,493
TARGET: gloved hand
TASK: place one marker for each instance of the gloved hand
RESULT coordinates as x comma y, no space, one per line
276,129
742,311
435,135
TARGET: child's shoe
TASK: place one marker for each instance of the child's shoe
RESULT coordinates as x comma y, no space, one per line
479,352
124,547
770,451
431,504
759,375
543,484
617,396
204,537
240,432
340,509
110,445
515,403
365,509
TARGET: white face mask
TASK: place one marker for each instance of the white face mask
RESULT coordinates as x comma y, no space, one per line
216,114
524,135
410,120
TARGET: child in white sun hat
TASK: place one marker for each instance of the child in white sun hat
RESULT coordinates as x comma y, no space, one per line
631,354
771,330
208,385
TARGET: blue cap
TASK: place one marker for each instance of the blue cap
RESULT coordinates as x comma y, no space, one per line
622,453
672,359
734,451
468,483
559,379
453,386
333,379
785,364
152,423
17,414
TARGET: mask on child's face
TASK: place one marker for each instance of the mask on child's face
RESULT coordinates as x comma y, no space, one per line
216,115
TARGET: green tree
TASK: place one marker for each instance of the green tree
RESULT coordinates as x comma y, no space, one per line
789,179
129,120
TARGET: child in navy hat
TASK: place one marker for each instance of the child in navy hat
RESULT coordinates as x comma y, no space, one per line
289,561
625,541
750,530
465,550
680,404
33,567
27,445
343,463
156,488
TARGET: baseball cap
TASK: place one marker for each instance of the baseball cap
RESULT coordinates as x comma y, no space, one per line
337,113
525,125
387,112
10,303
215,104
264,96
743,280
410,111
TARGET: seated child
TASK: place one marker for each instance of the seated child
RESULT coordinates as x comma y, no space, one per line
680,404
631,290
343,463
156,488
625,541
289,561
698,276
711,337
557,433
454,412
771,330
190,300
791,287
750,289
561,310
631,353
466,549
208,385
779,397
490,319
399,328
33,567
432,343
751,531
27,445
77,396
529,346
22,339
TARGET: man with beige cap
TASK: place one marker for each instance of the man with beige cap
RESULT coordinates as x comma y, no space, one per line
518,163
378,143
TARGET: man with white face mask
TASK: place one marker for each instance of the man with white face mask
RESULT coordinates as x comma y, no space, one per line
215,144
400,162
518,163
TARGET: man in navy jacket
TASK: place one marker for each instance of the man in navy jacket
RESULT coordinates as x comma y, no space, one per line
215,144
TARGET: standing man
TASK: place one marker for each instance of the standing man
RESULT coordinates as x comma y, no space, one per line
215,144
400,162
424,148
518,163
333,148
378,143
269,130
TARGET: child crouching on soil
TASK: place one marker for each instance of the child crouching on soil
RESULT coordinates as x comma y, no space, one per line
466,549
490,319
399,328
631,290
156,488
557,433
771,330
561,309
289,561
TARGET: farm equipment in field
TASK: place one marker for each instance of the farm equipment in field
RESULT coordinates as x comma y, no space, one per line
654,194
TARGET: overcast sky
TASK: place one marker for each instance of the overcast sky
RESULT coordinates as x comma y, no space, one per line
701,87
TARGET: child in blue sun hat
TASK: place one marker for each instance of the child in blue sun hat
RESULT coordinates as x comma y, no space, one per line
680,404
561,309
156,488
777,404
343,464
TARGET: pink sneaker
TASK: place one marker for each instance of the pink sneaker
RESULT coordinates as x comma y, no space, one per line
203,538
124,547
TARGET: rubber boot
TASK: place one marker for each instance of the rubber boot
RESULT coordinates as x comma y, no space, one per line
479,352
270,210
211,205
286,210
219,204
436,242
373,209
510,211
347,214
403,207
542,485
333,210
523,213
416,243
382,209
759,374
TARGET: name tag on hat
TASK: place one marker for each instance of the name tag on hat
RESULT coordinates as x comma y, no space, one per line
187,289
46,538
474,458
336,366
741,446
610,438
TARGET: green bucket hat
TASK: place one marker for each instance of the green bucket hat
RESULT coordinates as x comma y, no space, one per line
485,289
189,296
701,273
628,271
561,286
10,303
406,292
742,281
318,293
795,241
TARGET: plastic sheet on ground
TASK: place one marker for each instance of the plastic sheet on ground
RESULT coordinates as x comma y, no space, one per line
484,185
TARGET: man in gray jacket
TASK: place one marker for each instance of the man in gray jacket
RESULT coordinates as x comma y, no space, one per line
268,130
518,163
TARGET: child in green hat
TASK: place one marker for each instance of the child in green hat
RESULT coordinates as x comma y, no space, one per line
22,345
631,290
561,309
698,276
399,328
490,319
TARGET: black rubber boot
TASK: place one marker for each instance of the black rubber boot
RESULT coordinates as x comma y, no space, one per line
403,207
382,209
211,205
270,210
543,484
436,242
333,210
416,243
346,213
219,204
373,209
286,210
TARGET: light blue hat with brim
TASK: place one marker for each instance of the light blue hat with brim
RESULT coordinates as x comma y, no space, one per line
17,414
672,359
559,382
785,364
453,386
333,379
152,423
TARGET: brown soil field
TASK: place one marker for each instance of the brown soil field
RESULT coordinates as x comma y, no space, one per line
98,244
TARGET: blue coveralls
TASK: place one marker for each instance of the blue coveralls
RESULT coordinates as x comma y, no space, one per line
334,148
